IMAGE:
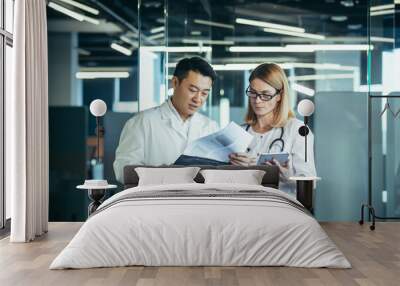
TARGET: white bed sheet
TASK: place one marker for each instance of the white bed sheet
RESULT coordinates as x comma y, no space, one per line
200,231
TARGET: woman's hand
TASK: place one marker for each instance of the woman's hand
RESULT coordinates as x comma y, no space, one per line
242,159
283,168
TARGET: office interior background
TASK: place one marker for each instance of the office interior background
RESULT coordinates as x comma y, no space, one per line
341,54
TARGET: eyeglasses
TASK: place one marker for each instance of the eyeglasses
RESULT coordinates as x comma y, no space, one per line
263,96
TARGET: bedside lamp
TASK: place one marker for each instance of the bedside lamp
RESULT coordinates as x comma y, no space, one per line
97,188
305,108
305,184
98,108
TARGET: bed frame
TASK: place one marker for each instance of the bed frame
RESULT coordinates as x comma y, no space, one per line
270,179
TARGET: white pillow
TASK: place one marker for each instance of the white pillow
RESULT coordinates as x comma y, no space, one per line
166,176
249,177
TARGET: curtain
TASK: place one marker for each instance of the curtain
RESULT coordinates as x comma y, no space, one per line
27,116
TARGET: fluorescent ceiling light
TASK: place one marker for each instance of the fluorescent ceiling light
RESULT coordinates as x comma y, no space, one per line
157,30
269,25
268,49
347,3
83,52
106,69
308,65
101,74
130,41
316,66
383,12
73,14
300,48
207,42
382,39
215,24
195,33
322,76
250,66
132,34
91,20
332,47
195,49
354,26
339,18
381,7
303,89
81,6
66,11
295,34
234,67
156,36
121,49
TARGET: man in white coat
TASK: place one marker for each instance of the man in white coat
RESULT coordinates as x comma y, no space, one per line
159,135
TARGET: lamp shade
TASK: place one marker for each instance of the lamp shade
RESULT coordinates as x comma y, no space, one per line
98,107
305,107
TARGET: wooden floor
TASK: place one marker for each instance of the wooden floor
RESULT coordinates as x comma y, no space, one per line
375,257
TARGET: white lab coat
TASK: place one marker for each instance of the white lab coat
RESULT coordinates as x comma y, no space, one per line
158,136
294,145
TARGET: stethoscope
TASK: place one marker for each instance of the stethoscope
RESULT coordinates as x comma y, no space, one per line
275,141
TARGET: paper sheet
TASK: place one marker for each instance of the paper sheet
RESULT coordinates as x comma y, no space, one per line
219,145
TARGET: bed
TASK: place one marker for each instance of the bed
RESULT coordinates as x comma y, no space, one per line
197,224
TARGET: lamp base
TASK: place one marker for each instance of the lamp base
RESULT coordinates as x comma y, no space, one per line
305,194
96,195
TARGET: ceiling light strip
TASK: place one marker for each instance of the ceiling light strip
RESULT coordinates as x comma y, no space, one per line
382,39
322,77
215,24
207,42
253,49
101,74
303,89
269,25
332,47
157,30
195,49
121,49
66,11
91,20
81,6
380,13
295,34
382,7
130,41
156,36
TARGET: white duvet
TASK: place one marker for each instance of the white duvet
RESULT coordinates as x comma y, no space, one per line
183,231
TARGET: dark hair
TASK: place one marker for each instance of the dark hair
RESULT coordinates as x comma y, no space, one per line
195,64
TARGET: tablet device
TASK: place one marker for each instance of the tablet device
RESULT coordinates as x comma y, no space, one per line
282,158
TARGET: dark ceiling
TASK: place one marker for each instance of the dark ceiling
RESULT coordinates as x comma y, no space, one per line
338,20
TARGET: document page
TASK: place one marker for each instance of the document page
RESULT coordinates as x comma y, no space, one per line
219,145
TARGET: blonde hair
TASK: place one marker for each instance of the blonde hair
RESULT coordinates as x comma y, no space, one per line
273,75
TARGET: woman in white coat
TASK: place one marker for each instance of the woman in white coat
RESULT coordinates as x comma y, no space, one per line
274,126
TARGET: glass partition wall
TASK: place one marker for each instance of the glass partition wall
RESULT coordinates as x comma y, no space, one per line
384,108
334,53
322,46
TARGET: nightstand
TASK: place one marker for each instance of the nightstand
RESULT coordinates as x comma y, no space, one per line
305,190
96,191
